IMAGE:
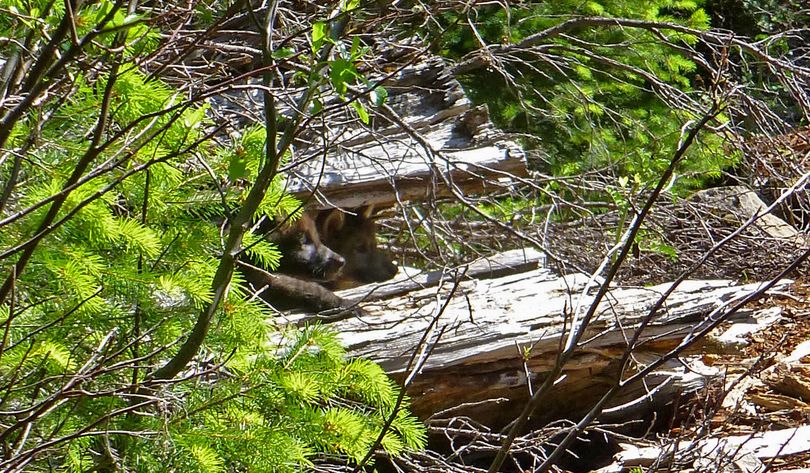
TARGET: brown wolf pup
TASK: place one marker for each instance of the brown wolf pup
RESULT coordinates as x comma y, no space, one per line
286,292
354,237
303,254
305,262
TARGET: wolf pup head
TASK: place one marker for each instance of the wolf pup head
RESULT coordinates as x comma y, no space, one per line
354,236
303,254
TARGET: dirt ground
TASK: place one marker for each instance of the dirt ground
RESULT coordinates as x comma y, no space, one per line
777,394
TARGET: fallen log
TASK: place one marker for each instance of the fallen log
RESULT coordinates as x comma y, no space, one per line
410,279
480,339
427,140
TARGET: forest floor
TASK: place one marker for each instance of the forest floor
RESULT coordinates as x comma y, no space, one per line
777,394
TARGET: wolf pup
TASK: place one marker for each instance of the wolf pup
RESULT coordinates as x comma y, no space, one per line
354,237
303,254
284,292
305,262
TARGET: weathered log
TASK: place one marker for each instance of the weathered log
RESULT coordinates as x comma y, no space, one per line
529,309
428,140
495,337
410,279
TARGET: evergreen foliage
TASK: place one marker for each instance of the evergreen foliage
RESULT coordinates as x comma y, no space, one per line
591,103
120,271
784,24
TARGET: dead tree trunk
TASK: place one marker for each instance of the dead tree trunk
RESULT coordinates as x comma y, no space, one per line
496,337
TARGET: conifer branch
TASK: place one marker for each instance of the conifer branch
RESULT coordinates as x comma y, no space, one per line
142,138
90,155
241,221
34,240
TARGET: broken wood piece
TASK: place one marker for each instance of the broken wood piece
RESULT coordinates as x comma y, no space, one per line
799,353
777,402
791,381
747,322
717,454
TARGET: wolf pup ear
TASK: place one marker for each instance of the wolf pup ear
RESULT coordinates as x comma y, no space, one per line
332,223
366,211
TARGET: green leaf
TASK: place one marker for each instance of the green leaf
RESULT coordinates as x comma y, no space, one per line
282,53
316,106
349,5
237,165
57,354
302,386
378,95
140,258
341,72
361,111
318,35
700,19
355,52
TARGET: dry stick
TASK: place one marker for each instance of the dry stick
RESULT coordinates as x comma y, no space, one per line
753,296
11,308
222,277
85,431
476,61
448,180
137,316
98,371
579,326
16,375
12,180
11,72
42,328
195,42
37,79
51,401
34,78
